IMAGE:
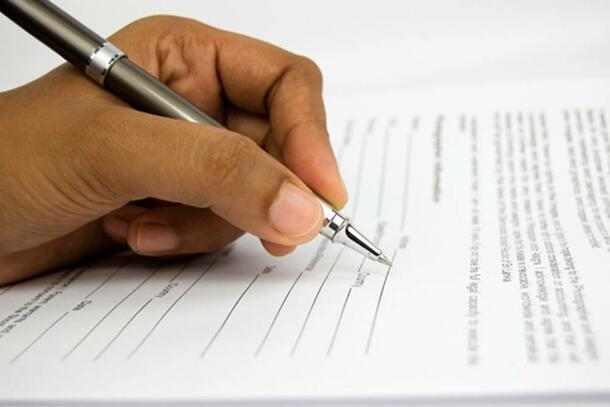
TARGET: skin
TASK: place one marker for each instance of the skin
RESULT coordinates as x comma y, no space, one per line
82,173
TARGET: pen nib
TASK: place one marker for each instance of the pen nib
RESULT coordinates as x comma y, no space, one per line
383,259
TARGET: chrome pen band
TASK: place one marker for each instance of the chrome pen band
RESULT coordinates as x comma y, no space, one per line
338,229
101,60
334,222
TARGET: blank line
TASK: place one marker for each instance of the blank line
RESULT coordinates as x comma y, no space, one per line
4,291
203,273
277,314
119,268
384,164
99,355
405,198
332,342
370,340
207,348
313,303
39,337
107,314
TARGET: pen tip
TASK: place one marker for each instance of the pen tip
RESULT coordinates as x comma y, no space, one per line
383,259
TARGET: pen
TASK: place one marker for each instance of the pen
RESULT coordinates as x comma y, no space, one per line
110,68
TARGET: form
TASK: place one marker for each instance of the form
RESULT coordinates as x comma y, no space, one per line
493,202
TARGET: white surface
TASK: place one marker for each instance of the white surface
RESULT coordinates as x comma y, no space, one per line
151,331
375,43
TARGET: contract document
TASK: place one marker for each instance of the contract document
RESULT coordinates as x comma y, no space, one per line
494,204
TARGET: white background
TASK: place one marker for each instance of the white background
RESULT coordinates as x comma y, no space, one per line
380,43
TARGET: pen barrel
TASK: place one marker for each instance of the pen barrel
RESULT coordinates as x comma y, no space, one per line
146,93
58,30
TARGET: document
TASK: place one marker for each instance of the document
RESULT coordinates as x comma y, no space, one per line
494,204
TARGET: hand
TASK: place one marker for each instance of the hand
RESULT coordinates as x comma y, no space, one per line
74,159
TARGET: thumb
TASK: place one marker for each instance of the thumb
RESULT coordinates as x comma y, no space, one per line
208,167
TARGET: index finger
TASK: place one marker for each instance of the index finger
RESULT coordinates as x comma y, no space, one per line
262,78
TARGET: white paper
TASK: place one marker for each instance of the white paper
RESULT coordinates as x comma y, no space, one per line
493,203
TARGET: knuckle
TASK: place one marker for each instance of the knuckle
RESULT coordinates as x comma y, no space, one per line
310,69
167,20
157,20
161,22
162,31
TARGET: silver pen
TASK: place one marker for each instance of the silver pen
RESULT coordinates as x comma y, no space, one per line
110,68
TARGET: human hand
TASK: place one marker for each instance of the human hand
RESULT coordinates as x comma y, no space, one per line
74,159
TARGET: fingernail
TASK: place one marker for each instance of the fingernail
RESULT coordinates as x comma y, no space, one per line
116,227
294,212
155,238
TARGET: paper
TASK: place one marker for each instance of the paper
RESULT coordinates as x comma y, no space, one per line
494,204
